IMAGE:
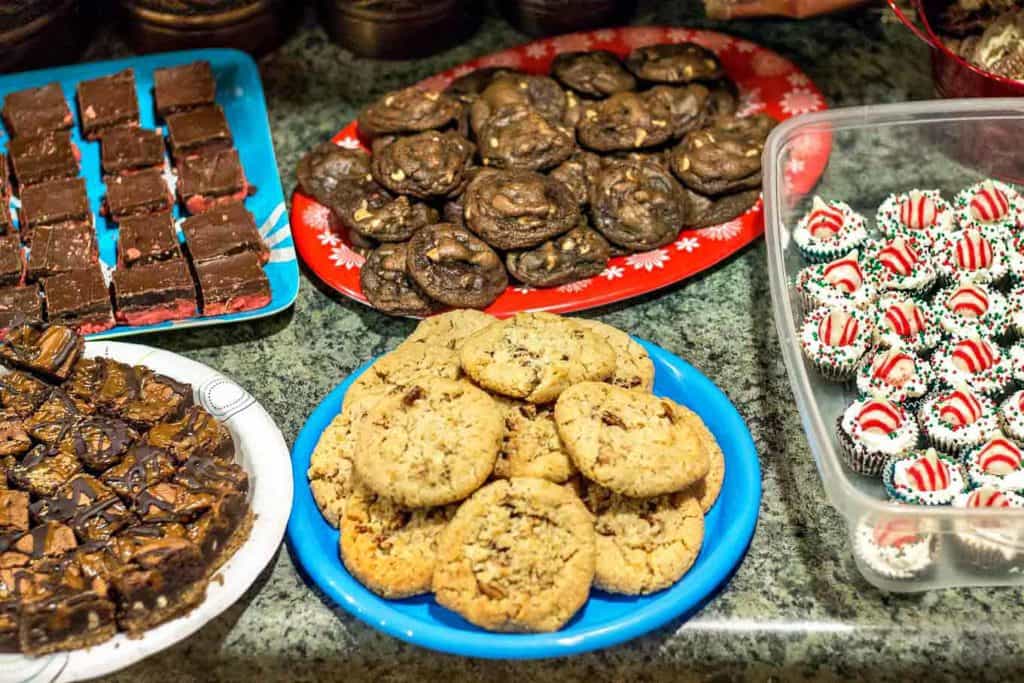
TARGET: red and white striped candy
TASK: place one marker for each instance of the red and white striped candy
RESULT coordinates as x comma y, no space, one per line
989,204
973,251
999,456
899,257
918,211
845,274
824,221
929,473
905,319
894,368
880,417
974,355
987,498
896,533
959,408
838,328
1020,402
969,301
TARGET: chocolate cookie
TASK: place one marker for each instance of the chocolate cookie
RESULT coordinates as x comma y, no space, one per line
638,204
540,93
518,209
375,212
455,267
723,158
595,74
429,164
329,173
467,87
679,63
387,285
687,105
520,137
578,254
705,211
723,98
408,111
578,174
625,121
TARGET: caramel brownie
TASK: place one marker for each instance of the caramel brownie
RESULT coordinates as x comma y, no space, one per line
196,434
107,102
180,88
224,231
61,248
146,295
12,261
199,131
46,157
54,417
137,193
79,299
21,393
48,350
88,506
54,202
206,181
141,467
14,512
147,239
231,284
36,111
43,470
128,148
134,394
14,440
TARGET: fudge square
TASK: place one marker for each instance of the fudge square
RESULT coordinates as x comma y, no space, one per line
79,299
12,261
137,193
53,202
198,131
179,88
232,283
146,239
19,302
60,248
43,157
107,102
151,294
223,231
128,148
211,179
36,111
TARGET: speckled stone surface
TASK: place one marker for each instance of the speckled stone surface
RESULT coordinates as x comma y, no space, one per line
797,609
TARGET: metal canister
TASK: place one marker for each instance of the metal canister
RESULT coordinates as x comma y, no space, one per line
398,29
39,33
551,17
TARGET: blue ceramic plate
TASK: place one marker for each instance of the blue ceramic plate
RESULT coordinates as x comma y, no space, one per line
240,93
606,619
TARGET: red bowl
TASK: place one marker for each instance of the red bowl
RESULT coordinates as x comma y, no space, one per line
952,75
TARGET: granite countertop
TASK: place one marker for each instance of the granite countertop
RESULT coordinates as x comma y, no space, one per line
797,609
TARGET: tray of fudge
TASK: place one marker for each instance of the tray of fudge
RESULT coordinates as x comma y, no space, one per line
559,175
141,194
135,500
899,300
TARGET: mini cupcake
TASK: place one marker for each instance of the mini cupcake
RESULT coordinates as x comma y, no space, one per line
969,309
828,231
977,363
834,339
895,374
924,478
989,543
906,322
922,215
838,282
989,205
873,430
901,265
998,463
1011,415
971,256
958,419
898,549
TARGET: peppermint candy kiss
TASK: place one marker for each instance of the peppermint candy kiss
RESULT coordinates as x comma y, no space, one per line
989,204
824,221
918,210
896,533
959,408
880,417
929,473
987,498
969,301
973,252
999,457
974,355
905,319
898,257
894,368
845,274
838,328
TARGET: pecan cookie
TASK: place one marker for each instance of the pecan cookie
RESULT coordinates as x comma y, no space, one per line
449,329
386,284
410,110
375,212
633,367
595,74
455,267
723,158
531,447
535,356
707,489
519,137
432,444
578,254
539,93
328,172
515,209
674,63
706,211
631,442
397,370
687,105
625,121
578,173
518,556
637,204
425,165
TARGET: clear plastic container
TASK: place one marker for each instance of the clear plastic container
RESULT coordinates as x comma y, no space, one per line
871,152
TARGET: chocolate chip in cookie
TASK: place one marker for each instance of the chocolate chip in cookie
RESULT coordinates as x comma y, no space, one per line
409,111
674,63
723,158
520,137
578,254
376,213
455,267
625,121
425,165
517,209
638,204
594,74
387,285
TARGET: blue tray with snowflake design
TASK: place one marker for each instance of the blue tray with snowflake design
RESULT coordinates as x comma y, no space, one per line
240,93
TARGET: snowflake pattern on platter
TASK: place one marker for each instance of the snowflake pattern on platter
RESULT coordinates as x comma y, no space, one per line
348,142
687,244
604,35
716,42
770,64
808,145
573,42
328,238
639,37
795,166
800,101
537,50
744,46
751,102
613,273
648,260
722,232
679,35
798,80
508,58
522,289
573,287
343,257
318,217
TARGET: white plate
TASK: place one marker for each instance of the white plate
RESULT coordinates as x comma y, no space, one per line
263,453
